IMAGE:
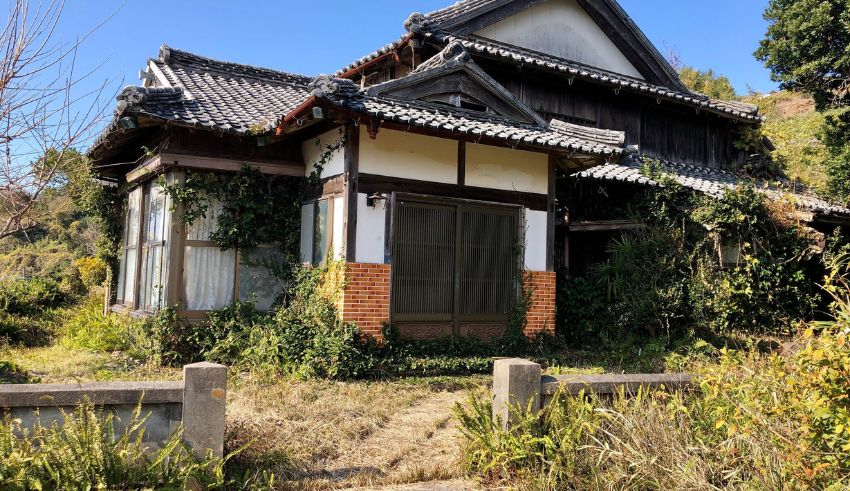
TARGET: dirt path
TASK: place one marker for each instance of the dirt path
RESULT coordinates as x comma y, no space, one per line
416,449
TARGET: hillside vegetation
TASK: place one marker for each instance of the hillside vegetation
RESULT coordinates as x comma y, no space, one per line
796,129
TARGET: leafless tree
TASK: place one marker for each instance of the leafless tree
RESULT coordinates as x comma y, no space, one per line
44,112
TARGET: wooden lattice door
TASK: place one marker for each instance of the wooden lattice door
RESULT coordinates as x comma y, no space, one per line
454,267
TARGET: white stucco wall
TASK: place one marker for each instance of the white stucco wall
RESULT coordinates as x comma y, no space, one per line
371,227
313,149
535,240
409,156
338,226
504,168
561,28
307,232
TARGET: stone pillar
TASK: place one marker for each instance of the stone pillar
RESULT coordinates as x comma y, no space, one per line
516,382
204,391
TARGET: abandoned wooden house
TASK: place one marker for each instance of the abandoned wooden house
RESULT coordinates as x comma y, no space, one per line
438,160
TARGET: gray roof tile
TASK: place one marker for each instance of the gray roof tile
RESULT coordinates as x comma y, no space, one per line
711,182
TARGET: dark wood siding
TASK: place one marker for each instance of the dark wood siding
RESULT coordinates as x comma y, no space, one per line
666,130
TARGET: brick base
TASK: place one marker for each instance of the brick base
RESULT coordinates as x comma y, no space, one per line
366,297
365,300
541,313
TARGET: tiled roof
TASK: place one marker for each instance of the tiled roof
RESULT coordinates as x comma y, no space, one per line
224,96
459,9
449,119
712,182
371,56
487,47
200,92
606,137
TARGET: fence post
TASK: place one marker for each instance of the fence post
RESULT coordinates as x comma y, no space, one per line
204,391
515,382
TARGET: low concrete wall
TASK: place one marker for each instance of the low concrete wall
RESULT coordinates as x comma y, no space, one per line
198,403
518,382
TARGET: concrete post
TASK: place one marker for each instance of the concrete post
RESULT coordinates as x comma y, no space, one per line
204,391
515,382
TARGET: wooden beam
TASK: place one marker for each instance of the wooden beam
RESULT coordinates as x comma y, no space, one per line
461,163
351,166
171,160
603,225
550,215
372,183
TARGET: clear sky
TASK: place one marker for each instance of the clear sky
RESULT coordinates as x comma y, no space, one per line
319,36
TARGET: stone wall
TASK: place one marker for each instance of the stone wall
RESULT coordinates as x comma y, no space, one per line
521,383
197,403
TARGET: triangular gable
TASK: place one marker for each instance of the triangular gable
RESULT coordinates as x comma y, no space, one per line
594,32
451,77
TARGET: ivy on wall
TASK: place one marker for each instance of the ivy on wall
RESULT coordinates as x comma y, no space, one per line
256,208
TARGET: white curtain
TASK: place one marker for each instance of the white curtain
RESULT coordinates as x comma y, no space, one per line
208,278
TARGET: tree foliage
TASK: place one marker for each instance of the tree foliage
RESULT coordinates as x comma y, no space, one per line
707,82
806,48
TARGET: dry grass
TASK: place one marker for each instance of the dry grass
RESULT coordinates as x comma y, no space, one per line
313,434
57,364
335,435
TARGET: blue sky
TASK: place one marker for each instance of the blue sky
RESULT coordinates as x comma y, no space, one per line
313,37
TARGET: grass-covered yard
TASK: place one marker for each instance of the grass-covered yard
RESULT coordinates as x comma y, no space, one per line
313,434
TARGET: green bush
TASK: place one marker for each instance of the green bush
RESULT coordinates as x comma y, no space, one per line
644,281
92,271
27,297
88,328
86,452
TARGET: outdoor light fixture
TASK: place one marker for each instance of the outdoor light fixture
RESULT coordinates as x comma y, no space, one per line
374,198
318,113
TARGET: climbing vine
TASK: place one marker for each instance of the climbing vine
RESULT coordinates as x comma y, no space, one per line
253,208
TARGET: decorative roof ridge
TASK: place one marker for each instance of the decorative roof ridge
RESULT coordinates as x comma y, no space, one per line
600,135
486,46
453,52
169,55
133,96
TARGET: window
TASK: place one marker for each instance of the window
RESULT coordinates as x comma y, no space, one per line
209,274
321,231
206,277
154,254
127,274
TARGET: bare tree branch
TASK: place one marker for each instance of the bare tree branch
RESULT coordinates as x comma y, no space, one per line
43,115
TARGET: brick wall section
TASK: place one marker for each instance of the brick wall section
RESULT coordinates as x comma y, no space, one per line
541,312
366,297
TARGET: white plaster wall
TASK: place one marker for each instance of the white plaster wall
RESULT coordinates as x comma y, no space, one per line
409,156
535,240
307,233
313,149
561,28
371,227
338,226
503,168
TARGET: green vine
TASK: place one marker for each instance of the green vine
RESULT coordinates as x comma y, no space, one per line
255,208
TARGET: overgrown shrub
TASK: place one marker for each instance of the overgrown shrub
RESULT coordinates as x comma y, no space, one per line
88,328
92,271
758,421
644,281
87,452
26,297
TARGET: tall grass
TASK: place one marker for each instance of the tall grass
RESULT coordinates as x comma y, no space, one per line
86,452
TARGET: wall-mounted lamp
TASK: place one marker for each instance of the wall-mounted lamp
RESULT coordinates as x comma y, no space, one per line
375,198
